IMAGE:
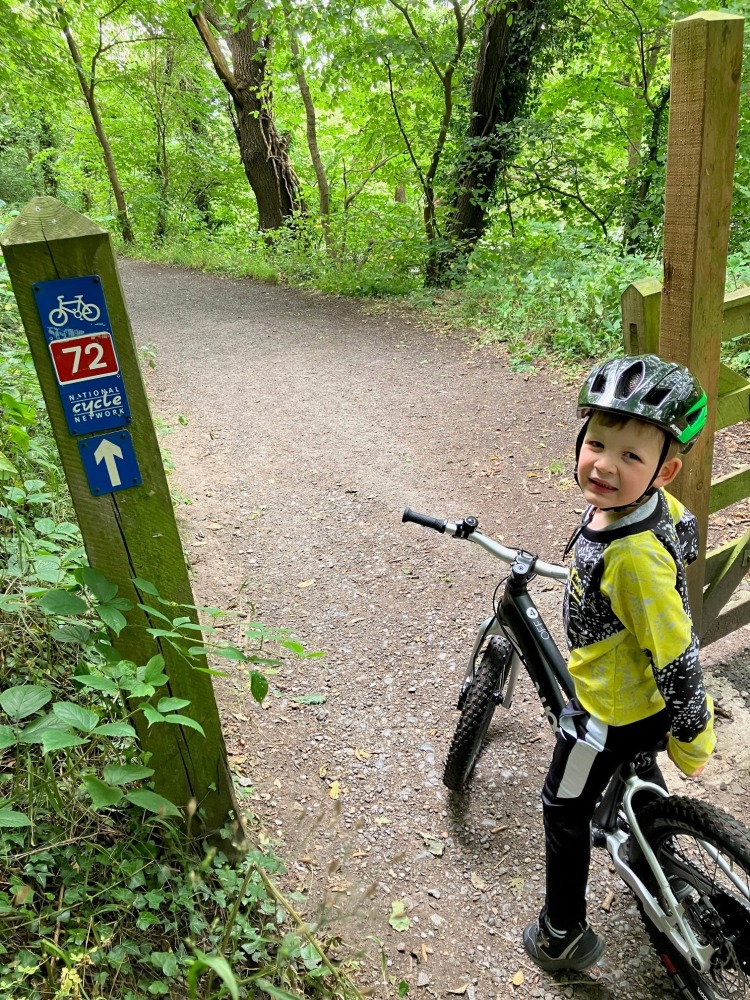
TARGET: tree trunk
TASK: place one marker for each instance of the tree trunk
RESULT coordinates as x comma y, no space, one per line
511,39
47,146
324,195
87,83
262,151
638,220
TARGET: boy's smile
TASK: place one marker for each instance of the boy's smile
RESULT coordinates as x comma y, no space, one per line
618,461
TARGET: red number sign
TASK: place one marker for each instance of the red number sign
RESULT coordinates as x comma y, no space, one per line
80,358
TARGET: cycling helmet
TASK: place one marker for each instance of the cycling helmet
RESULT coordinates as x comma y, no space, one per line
645,388
648,388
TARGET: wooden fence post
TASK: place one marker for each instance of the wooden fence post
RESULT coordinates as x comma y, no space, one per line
128,530
706,65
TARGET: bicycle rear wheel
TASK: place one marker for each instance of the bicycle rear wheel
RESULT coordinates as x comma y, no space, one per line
488,684
705,854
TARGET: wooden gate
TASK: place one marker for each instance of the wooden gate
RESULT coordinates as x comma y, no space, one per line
687,317
726,565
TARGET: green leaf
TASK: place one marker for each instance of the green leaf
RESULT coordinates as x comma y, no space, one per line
33,731
172,704
76,716
398,918
152,802
152,715
116,729
7,468
154,668
24,700
258,685
60,739
122,774
103,796
145,587
103,684
219,965
62,602
166,962
184,720
10,818
228,653
274,991
111,617
102,589
310,699
8,737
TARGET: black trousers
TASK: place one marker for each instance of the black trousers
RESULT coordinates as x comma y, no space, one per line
587,754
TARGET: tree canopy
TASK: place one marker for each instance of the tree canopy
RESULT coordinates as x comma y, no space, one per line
409,132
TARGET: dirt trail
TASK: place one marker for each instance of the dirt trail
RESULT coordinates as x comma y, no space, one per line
309,426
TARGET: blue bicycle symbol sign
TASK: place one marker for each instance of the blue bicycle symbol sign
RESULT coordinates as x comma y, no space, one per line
76,308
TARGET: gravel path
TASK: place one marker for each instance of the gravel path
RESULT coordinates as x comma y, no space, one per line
301,427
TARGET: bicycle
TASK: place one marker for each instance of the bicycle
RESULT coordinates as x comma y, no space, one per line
88,311
686,862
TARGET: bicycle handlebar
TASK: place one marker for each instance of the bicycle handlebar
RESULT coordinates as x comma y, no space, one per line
462,529
424,519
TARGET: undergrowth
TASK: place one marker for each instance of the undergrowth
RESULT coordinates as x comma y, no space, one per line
103,890
548,287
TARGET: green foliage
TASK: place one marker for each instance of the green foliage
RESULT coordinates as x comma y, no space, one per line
549,287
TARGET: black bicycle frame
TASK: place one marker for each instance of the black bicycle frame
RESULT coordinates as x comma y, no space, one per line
529,635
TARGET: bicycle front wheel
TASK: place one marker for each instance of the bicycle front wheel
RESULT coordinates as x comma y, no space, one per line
476,715
705,854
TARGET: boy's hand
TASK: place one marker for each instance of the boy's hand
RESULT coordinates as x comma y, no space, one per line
693,774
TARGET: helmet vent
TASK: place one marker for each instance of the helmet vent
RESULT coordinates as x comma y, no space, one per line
599,384
656,396
629,381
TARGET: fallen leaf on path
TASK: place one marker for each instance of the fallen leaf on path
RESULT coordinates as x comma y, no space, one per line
335,790
478,882
306,583
323,771
434,846
517,980
361,754
398,918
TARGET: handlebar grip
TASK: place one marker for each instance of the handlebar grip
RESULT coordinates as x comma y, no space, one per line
424,519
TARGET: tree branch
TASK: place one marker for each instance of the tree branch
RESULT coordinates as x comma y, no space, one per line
350,198
223,71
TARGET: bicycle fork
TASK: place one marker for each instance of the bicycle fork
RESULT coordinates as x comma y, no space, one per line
486,630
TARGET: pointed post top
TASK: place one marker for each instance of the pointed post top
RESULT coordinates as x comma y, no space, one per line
44,220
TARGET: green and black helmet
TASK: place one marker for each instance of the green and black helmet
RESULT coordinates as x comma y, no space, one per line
648,388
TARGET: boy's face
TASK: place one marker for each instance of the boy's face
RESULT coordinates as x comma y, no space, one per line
617,462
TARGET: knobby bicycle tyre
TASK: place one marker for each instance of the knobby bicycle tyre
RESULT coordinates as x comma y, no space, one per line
476,715
685,836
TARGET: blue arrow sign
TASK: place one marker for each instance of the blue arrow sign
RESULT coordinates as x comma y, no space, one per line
109,462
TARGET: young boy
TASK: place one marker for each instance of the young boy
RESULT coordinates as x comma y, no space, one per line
634,656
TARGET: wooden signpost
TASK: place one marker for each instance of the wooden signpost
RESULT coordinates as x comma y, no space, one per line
686,316
65,281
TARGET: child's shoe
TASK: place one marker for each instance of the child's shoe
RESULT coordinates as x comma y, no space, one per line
576,949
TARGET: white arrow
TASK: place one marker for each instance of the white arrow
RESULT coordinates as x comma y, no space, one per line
107,452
